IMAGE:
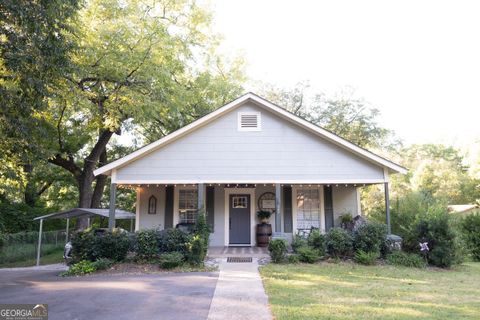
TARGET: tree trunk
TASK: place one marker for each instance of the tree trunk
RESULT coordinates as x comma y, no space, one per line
101,181
85,193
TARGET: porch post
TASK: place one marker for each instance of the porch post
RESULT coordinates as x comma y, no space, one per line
111,212
201,195
66,231
387,207
39,247
278,208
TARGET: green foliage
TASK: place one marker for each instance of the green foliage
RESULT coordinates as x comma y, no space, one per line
293,258
399,258
277,249
102,264
92,245
298,242
197,250
339,242
316,240
346,218
437,230
366,258
470,227
370,237
171,240
308,255
171,260
146,244
80,268
263,215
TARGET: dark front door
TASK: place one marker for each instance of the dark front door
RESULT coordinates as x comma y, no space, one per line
239,219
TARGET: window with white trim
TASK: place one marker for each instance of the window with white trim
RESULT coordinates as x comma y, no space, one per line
187,205
308,208
249,121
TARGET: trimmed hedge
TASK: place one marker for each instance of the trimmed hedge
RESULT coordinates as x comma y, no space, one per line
370,237
339,242
470,226
94,244
277,249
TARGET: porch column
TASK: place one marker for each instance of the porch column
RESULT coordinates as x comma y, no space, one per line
387,207
111,212
201,195
278,208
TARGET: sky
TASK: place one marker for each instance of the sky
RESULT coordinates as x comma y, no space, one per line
418,62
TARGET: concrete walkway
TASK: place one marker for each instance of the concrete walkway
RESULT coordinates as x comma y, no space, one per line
239,293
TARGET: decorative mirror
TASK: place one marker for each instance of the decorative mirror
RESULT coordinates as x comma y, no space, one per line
152,205
266,202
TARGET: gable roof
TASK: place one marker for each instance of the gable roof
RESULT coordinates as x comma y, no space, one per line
261,102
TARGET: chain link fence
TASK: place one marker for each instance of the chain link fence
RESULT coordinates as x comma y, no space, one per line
22,246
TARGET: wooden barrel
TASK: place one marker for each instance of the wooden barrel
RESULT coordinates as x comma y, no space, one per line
264,232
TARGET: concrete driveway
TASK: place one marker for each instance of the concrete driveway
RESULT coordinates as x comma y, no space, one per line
157,296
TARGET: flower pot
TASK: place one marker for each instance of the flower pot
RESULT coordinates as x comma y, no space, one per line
264,232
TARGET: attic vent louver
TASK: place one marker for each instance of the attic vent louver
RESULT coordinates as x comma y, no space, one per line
249,121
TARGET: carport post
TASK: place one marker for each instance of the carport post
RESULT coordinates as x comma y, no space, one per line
39,242
111,212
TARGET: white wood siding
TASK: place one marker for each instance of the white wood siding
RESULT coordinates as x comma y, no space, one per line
150,221
281,151
345,200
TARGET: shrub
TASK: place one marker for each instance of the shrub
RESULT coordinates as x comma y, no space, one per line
92,245
197,250
102,264
366,258
277,249
146,244
293,258
308,255
470,227
338,242
437,230
298,242
316,240
370,237
400,258
80,268
173,240
171,260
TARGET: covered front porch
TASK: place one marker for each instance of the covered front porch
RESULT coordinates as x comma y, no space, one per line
230,208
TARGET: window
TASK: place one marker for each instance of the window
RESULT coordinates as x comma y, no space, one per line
249,121
187,205
152,205
240,202
308,208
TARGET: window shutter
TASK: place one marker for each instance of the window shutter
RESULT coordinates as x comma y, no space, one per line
287,209
169,191
210,207
327,194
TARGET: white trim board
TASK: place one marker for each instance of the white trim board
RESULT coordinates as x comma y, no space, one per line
329,136
259,182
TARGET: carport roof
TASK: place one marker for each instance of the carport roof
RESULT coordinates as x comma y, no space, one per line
88,213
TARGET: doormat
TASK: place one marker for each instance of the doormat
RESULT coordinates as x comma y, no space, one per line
239,259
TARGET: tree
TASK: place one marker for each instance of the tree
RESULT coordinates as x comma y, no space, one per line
138,64
343,114
34,55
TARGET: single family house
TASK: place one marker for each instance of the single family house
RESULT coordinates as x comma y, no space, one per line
248,155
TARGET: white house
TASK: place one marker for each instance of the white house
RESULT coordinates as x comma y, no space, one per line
247,155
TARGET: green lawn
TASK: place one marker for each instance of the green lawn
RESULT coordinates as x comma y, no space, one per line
347,290
53,256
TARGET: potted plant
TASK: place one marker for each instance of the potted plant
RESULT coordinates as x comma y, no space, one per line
263,216
264,229
346,221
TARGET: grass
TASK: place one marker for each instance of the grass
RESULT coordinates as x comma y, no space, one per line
53,256
347,290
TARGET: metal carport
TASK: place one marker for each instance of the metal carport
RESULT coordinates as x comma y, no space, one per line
80,212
